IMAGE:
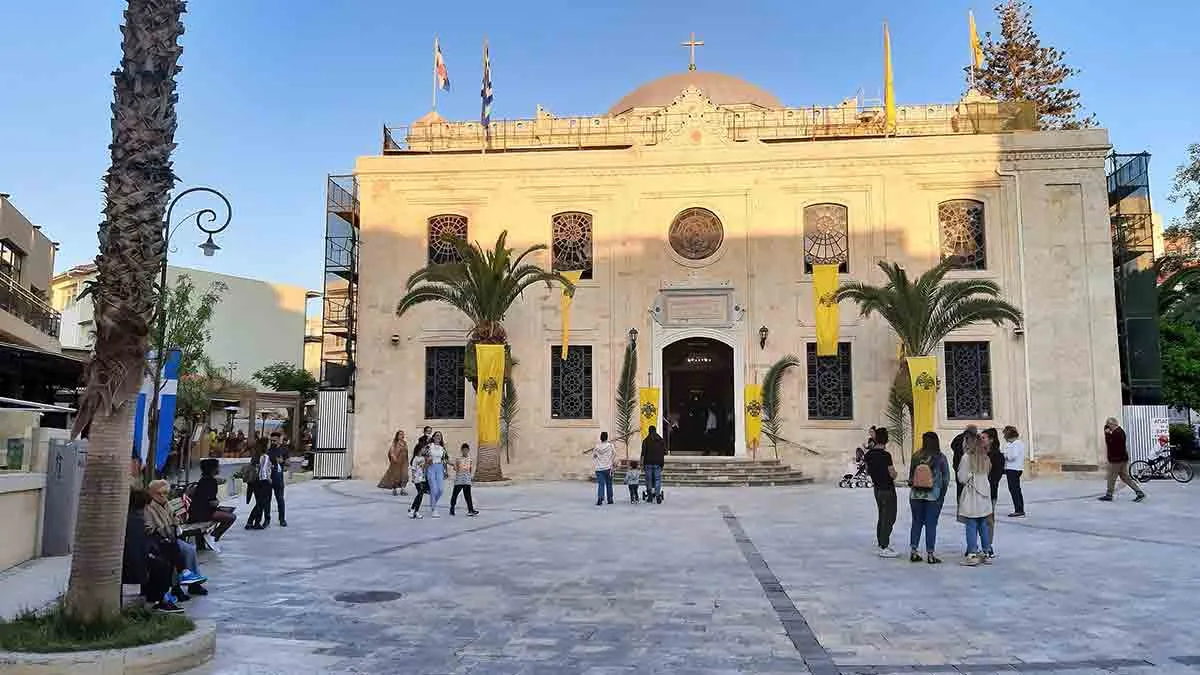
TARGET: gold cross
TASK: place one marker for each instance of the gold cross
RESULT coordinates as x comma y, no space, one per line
692,44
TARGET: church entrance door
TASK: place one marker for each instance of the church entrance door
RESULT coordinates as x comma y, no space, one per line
698,396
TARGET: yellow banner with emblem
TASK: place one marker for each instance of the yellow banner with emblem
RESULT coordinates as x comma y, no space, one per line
568,294
825,308
754,414
922,371
648,408
489,389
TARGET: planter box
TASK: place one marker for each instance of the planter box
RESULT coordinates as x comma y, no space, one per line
183,653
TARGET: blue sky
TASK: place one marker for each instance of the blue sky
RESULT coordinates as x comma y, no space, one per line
275,94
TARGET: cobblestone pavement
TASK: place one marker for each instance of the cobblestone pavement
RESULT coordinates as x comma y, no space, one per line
716,580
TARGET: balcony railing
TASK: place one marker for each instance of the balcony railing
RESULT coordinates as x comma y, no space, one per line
18,301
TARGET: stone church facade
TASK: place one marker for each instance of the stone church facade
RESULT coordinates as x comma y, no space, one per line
696,206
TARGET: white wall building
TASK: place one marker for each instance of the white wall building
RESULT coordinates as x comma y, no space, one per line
257,322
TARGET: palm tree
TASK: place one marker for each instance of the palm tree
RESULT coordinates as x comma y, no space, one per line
131,249
483,285
922,314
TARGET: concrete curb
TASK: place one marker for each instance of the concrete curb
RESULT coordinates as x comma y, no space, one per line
183,653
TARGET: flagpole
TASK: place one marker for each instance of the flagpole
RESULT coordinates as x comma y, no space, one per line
435,73
486,119
971,46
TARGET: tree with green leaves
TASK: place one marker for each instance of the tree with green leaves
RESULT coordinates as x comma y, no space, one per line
483,285
1018,68
923,313
772,400
1179,344
1185,189
285,376
189,322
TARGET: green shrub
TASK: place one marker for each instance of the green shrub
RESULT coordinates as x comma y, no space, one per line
51,631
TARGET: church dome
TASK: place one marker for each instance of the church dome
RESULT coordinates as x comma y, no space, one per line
721,89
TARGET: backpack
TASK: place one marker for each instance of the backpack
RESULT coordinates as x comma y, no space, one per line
923,476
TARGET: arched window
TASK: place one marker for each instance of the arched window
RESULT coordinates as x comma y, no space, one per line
963,238
572,247
826,236
443,228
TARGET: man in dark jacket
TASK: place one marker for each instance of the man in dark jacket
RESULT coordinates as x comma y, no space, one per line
654,454
1118,461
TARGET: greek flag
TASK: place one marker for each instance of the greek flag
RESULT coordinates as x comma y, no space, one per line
486,92
166,411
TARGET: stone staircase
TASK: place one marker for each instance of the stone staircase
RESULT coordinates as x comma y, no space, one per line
722,471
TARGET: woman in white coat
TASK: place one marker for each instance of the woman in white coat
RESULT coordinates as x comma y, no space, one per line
975,502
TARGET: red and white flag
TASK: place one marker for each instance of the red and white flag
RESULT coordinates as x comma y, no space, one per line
441,76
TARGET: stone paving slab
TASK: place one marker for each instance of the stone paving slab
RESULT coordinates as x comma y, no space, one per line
544,582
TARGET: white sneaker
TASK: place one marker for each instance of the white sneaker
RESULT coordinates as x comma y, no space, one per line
414,515
887,553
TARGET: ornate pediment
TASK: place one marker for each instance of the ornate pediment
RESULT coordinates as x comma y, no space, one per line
693,120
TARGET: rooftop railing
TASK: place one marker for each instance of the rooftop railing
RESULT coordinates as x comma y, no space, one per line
33,310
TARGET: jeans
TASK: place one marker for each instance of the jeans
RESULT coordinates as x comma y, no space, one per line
434,476
885,500
261,513
466,492
603,485
1014,489
924,516
979,535
1121,470
187,556
654,479
633,492
277,490
422,488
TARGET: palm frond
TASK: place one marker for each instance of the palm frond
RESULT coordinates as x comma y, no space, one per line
627,396
772,420
510,407
899,407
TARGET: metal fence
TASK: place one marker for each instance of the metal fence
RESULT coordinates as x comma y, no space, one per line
1143,424
21,303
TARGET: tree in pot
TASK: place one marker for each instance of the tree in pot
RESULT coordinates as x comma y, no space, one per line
136,188
483,285
923,313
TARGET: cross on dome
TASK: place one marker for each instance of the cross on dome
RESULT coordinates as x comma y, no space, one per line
691,44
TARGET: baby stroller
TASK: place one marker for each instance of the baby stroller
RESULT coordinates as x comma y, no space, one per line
860,478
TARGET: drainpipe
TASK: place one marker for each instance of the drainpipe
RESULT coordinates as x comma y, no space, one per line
1024,308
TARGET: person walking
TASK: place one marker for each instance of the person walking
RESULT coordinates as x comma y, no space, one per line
277,456
1117,449
417,468
1014,466
396,476
260,515
883,477
654,454
602,462
435,470
464,474
928,479
975,500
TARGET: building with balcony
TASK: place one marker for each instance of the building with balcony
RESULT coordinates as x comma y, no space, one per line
26,264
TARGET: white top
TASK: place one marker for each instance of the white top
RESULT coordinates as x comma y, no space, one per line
976,498
1014,455
602,456
436,452
417,467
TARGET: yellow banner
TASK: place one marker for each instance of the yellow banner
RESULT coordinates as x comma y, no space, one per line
825,284
648,408
889,85
489,368
754,413
976,49
922,371
568,294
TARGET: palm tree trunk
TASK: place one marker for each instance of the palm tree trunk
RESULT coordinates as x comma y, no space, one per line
94,593
132,250
490,469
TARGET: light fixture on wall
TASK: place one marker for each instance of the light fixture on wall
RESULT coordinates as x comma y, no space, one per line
633,332
762,337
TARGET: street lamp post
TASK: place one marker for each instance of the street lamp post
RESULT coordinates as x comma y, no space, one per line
204,220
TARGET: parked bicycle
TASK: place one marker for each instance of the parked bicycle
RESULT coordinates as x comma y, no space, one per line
1163,465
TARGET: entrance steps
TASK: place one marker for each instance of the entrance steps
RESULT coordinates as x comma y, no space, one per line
722,471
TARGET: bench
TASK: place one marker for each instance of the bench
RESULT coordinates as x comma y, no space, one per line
190,531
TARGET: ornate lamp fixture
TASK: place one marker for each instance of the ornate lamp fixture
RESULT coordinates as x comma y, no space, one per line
762,337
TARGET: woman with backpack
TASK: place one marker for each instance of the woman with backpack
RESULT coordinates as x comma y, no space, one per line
975,502
928,478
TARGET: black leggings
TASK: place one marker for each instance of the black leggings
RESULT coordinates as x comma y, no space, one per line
422,488
466,492
1014,489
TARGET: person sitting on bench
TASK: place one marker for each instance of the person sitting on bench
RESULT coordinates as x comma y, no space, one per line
162,526
145,562
206,507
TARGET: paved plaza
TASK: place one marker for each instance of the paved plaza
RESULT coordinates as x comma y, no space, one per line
717,580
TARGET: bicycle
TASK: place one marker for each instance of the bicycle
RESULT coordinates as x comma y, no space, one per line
1163,465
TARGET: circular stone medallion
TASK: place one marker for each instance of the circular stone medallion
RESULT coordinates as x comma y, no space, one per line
696,234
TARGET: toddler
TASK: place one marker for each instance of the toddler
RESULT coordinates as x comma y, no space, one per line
632,476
